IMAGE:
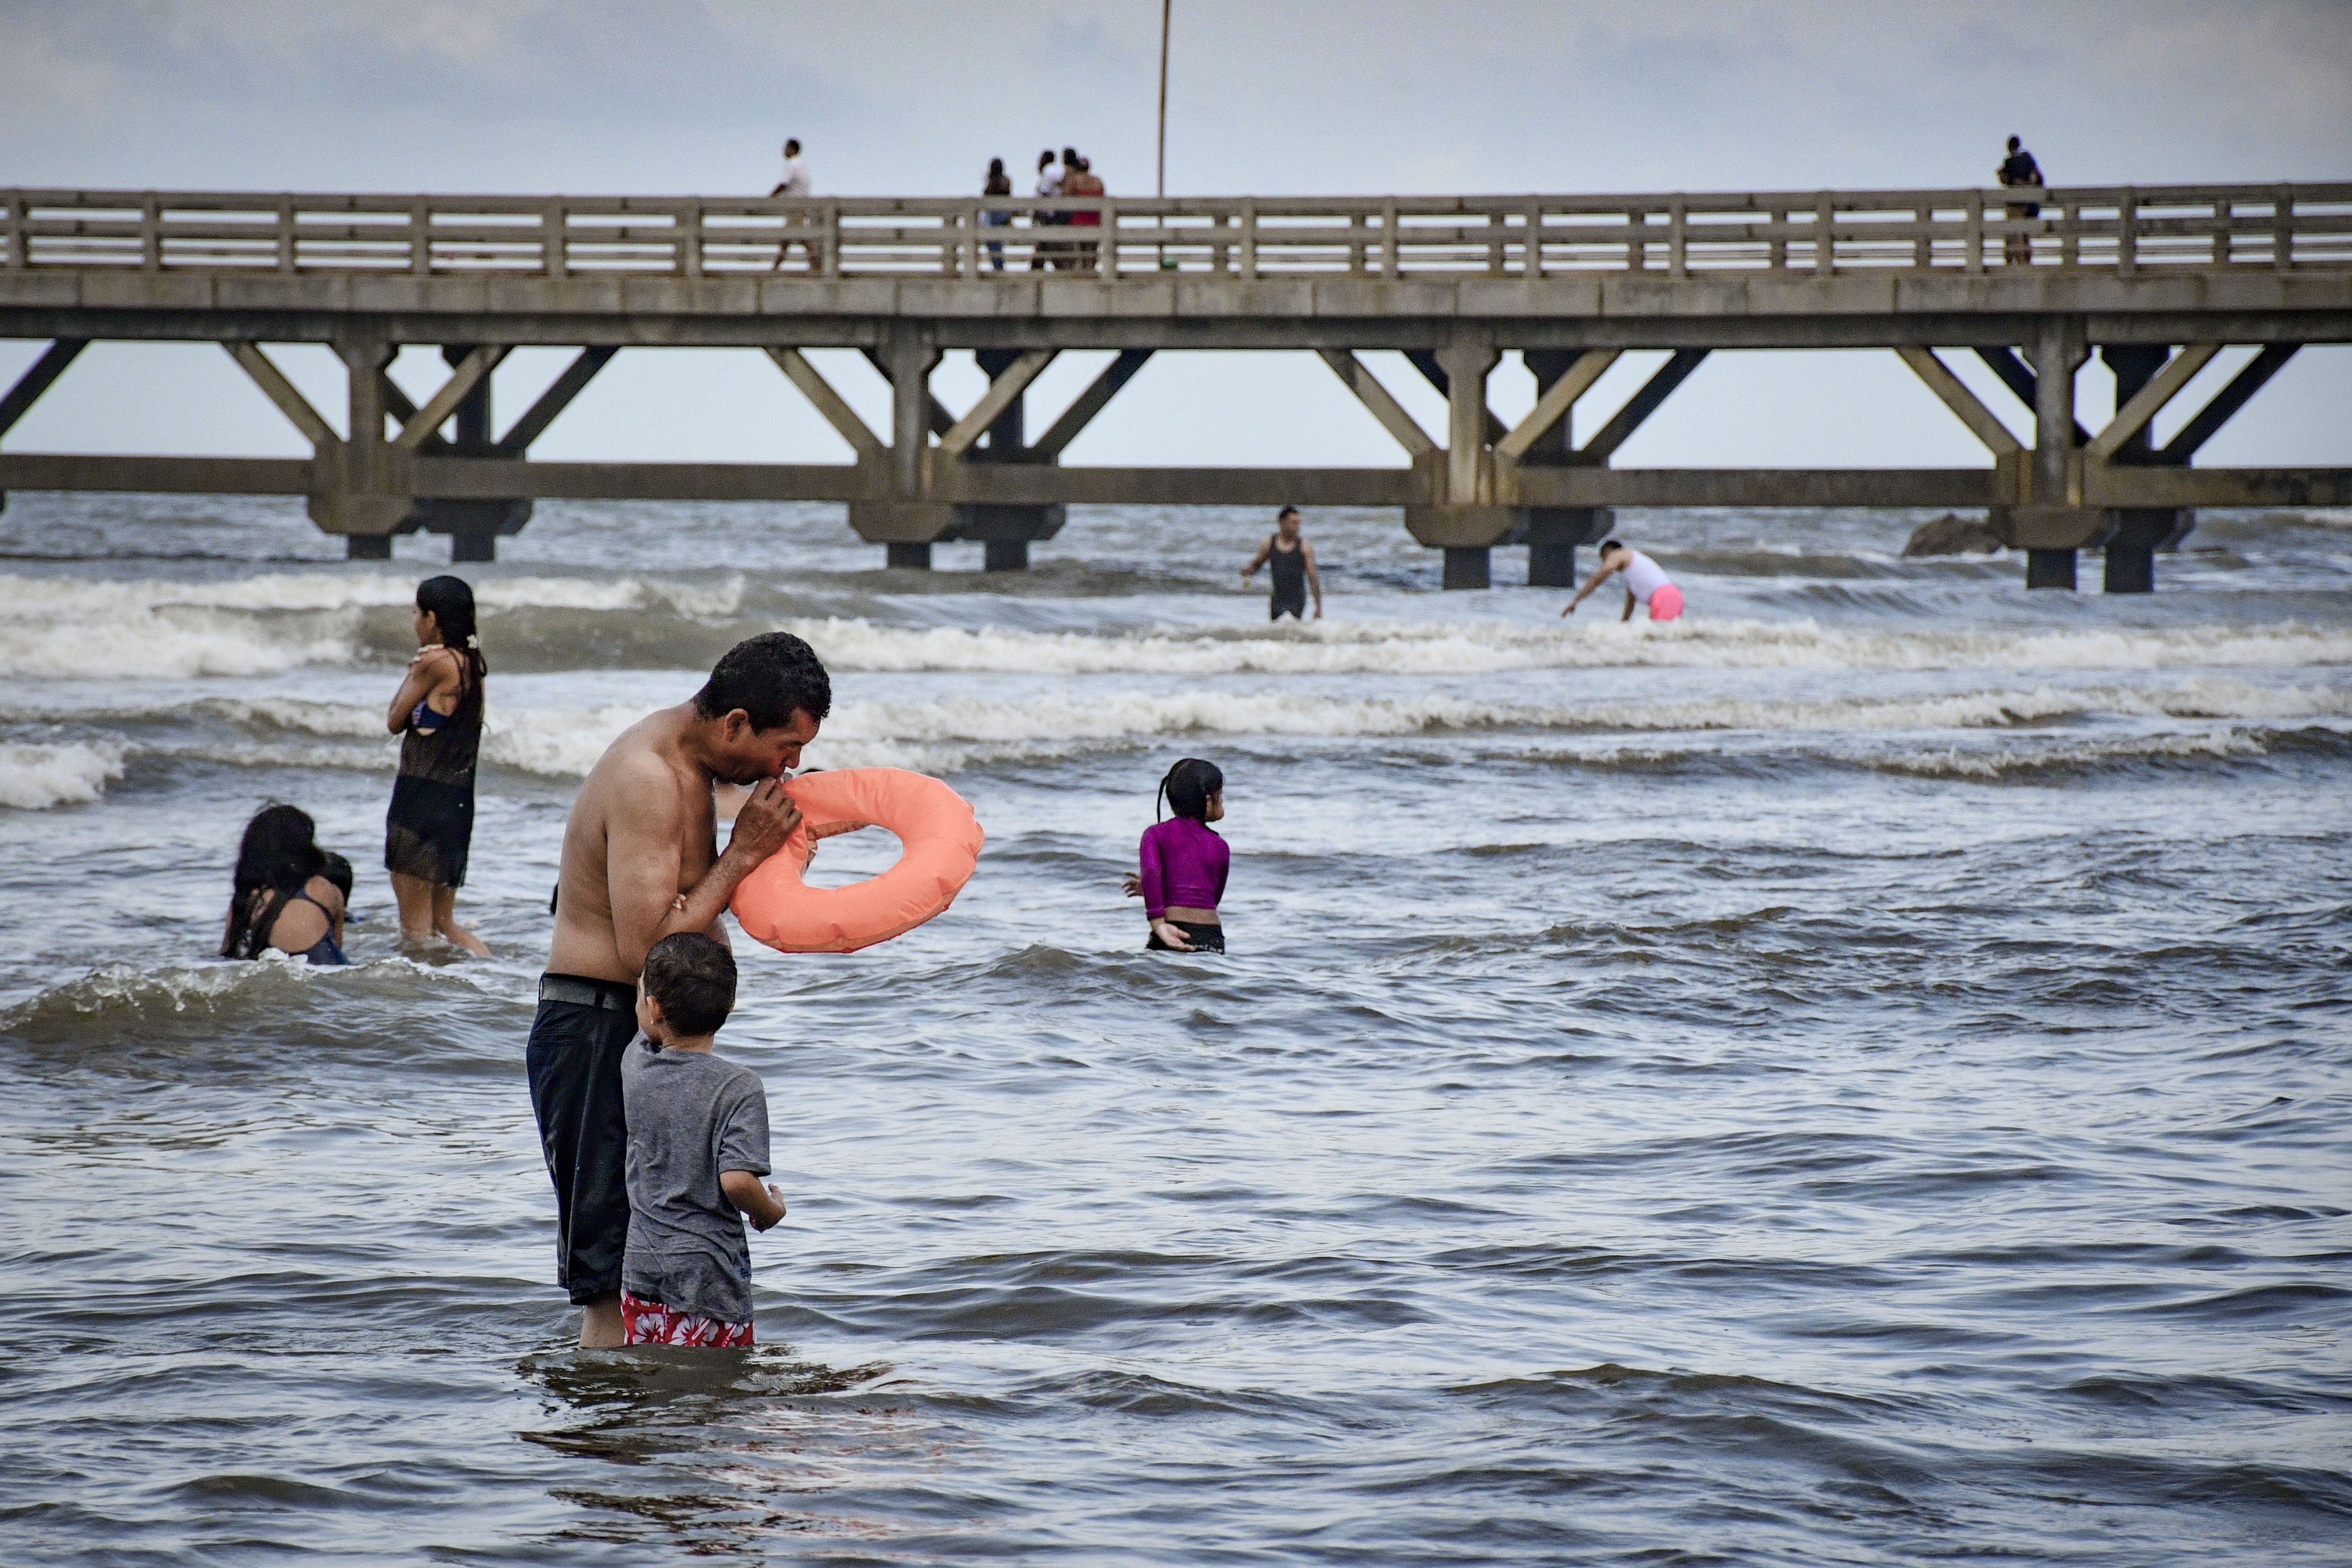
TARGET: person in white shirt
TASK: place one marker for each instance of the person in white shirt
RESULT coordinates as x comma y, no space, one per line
1049,185
1645,582
795,184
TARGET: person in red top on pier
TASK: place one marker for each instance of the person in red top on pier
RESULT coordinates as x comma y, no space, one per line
1183,862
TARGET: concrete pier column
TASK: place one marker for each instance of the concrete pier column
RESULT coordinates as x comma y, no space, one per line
473,526
1005,532
1468,566
360,498
1553,532
1469,466
910,359
2138,532
2058,350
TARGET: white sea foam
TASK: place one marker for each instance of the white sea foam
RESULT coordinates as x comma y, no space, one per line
36,777
940,737
1487,646
946,736
64,629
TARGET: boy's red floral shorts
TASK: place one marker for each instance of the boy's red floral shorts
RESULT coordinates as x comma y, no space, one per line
651,1324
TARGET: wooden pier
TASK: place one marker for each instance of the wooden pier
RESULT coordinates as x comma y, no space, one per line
2157,280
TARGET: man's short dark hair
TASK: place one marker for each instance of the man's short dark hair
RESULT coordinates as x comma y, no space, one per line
693,978
2014,144
1286,511
1609,544
792,145
770,677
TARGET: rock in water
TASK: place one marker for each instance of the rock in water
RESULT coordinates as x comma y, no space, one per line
1952,534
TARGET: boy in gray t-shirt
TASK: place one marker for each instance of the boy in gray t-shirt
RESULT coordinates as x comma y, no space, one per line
698,1147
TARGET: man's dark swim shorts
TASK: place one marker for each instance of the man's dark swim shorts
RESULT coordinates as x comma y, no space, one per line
577,1040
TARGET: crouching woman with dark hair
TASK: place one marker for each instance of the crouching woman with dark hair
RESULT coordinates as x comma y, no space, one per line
287,897
437,715
1182,862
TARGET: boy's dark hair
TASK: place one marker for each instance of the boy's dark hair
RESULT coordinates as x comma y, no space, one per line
338,875
693,978
770,677
1609,544
1286,511
1188,786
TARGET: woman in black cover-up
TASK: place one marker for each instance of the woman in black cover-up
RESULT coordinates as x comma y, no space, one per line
437,715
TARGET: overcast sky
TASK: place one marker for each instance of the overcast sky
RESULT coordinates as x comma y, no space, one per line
1333,96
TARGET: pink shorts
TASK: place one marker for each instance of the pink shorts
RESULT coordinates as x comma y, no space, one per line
651,1324
1667,603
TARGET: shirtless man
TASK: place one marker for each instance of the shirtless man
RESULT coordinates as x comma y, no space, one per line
641,860
1293,560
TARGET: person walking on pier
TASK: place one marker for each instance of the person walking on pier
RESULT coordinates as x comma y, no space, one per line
1645,582
641,860
999,184
1293,562
795,185
2019,169
437,715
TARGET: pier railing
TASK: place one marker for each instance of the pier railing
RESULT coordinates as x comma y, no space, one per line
2169,229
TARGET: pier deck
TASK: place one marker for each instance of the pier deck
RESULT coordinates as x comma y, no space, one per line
2155,280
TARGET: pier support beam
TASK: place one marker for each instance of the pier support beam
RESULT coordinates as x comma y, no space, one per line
362,496
1005,532
473,526
1553,532
1464,520
2139,532
2056,525
38,379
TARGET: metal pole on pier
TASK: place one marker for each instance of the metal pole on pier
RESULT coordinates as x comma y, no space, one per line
1161,186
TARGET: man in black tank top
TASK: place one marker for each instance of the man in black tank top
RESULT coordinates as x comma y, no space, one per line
1293,562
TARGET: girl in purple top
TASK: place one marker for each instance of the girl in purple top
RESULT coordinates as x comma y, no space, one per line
1184,862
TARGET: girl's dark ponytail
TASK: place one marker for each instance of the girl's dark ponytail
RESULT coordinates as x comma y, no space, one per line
1187,788
450,602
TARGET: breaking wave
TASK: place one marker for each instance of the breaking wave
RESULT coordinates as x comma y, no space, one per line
36,777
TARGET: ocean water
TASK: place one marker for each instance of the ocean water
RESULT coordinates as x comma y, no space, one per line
1861,1074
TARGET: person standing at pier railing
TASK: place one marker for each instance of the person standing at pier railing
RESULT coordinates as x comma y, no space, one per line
999,184
2019,169
1645,582
796,184
1049,185
1293,562
1082,182
437,715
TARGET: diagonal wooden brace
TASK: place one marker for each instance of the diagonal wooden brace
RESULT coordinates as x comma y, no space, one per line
554,400
829,403
2161,388
1008,384
1048,447
1553,405
283,393
1382,402
38,379
2225,402
1640,405
1981,420
462,381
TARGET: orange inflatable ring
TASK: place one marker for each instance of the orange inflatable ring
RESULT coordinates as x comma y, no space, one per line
941,839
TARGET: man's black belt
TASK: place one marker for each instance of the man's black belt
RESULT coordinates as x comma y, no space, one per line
610,995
